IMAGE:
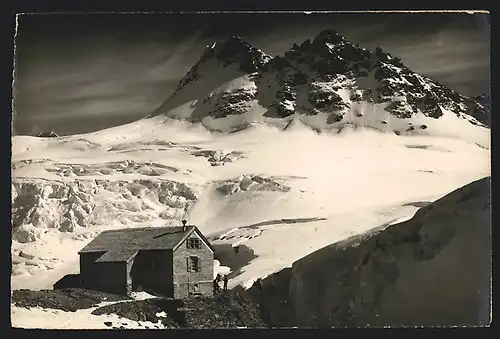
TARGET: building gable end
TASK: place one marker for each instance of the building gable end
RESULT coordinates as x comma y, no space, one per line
183,240
200,236
204,239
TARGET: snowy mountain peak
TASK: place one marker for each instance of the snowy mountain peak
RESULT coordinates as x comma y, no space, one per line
233,46
329,54
340,55
235,50
326,83
222,54
329,36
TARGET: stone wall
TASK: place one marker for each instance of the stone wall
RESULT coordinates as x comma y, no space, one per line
183,280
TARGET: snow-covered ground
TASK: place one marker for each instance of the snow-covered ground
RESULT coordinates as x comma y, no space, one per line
35,318
351,182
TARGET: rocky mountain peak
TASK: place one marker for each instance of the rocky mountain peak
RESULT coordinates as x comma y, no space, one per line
481,108
308,77
232,46
236,50
330,54
483,99
329,36
230,51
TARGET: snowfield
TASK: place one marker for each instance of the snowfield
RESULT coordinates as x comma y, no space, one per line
40,318
68,189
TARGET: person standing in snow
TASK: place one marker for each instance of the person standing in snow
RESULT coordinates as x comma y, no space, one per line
225,282
216,286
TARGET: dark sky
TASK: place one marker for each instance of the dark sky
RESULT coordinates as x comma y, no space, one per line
80,73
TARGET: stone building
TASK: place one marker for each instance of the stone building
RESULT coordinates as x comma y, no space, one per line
176,262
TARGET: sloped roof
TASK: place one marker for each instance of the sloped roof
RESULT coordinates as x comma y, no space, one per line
117,255
144,238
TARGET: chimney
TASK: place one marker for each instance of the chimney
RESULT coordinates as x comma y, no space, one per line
184,225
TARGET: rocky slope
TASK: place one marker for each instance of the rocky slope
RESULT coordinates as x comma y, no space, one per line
432,270
327,82
225,310
68,300
483,115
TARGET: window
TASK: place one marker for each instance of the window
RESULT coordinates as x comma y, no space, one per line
195,290
193,264
193,243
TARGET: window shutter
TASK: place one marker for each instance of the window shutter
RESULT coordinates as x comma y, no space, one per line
198,263
188,264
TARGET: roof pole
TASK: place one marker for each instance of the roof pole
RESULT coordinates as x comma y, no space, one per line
185,217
